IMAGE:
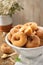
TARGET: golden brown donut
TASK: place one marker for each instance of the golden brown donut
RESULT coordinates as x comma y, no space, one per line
28,31
32,24
39,32
34,41
15,29
18,26
23,28
6,49
19,39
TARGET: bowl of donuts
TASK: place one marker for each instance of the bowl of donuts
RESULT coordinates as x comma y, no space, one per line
27,39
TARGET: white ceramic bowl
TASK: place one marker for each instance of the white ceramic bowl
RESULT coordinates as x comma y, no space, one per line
27,52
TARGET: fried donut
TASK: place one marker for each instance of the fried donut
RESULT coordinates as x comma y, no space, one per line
15,29
23,28
18,26
28,31
39,32
19,39
33,25
33,41
6,49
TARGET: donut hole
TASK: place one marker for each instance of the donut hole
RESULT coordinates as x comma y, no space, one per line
16,38
30,38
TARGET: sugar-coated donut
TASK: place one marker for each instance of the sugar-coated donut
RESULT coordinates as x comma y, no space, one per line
18,26
19,39
6,49
15,29
23,28
34,41
28,31
33,25
39,32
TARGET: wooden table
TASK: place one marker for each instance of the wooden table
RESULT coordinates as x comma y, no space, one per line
4,61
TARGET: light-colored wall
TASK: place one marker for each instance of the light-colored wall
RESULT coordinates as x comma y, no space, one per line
33,11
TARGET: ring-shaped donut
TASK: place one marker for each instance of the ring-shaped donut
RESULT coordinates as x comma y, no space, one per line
32,24
19,39
15,29
33,41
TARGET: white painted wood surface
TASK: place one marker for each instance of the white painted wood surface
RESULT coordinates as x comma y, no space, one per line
33,11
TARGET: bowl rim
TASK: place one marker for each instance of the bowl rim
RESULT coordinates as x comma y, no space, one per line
7,41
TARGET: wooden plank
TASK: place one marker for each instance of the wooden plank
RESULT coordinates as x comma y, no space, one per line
41,12
36,11
33,11
27,14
